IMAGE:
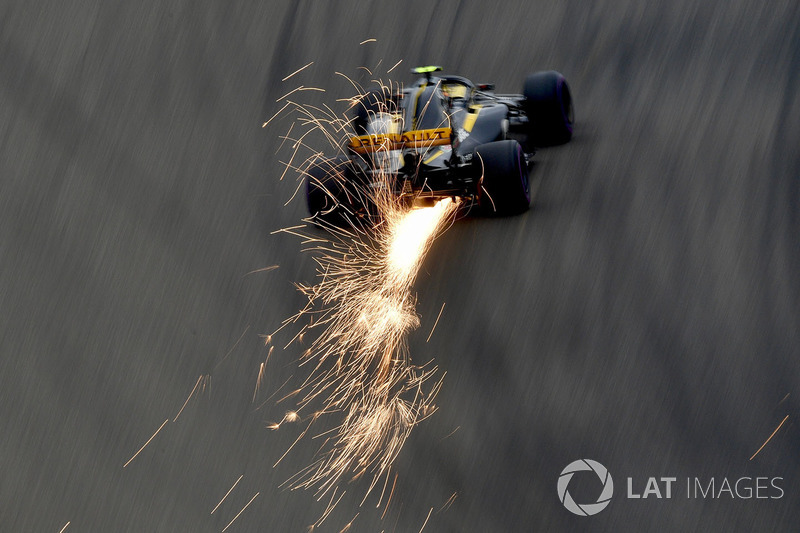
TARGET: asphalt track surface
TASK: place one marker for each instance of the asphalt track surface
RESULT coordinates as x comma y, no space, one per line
643,314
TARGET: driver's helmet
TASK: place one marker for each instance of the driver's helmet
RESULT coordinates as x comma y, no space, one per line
454,91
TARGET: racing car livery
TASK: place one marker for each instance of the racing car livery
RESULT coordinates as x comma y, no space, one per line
441,137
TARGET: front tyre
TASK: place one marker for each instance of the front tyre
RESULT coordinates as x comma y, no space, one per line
548,104
503,186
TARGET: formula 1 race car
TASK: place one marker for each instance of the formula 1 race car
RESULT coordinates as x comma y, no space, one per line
441,137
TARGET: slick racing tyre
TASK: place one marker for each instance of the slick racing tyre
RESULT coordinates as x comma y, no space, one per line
333,194
504,187
548,104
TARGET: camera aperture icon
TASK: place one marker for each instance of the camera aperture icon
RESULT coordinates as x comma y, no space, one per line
585,509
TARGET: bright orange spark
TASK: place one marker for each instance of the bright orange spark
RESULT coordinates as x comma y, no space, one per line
448,503
349,524
390,497
434,324
259,380
770,437
426,520
411,234
227,493
394,67
146,443
197,384
240,512
265,269
451,433
328,509
281,110
296,71
290,416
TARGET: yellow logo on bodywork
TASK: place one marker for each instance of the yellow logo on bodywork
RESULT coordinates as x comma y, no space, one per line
397,141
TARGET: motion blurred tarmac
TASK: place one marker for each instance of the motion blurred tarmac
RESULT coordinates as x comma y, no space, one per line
643,314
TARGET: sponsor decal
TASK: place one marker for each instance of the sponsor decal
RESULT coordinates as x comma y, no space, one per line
397,141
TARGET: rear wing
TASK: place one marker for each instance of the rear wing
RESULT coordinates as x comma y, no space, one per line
364,144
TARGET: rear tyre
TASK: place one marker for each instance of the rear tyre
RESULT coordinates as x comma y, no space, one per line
333,195
548,104
504,187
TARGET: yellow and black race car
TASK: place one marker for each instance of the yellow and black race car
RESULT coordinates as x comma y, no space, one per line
442,137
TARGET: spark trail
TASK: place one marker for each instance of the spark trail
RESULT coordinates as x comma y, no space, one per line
359,314
362,366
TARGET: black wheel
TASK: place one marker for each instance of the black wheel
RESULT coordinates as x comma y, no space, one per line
548,104
334,195
504,187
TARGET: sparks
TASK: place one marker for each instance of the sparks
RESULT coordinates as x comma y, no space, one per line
426,520
227,494
359,314
146,443
770,437
435,323
297,71
240,512
361,364
201,382
265,269
410,237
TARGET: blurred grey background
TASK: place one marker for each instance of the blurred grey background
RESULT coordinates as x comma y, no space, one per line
643,314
